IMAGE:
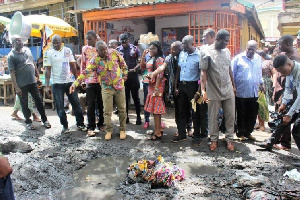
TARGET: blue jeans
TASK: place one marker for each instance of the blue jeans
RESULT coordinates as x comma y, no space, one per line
58,92
6,189
145,88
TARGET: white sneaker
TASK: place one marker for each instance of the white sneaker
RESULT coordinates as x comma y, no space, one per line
65,130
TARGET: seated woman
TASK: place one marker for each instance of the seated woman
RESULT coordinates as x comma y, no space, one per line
154,103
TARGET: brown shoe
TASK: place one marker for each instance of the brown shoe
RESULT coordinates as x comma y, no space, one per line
213,146
250,137
230,146
108,136
122,135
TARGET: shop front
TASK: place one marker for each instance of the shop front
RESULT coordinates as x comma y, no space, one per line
172,21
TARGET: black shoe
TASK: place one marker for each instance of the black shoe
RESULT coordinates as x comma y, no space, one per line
178,139
127,120
196,142
138,121
266,145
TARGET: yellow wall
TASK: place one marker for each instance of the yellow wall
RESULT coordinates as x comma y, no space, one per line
245,34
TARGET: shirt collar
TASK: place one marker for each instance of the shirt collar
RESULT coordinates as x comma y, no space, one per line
121,48
195,52
244,54
296,68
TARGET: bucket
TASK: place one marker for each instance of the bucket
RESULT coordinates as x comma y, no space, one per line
19,26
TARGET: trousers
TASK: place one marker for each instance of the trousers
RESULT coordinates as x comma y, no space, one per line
228,107
33,90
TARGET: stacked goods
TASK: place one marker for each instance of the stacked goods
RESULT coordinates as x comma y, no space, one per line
148,38
158,172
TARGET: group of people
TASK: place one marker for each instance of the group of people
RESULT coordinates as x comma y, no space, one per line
200,80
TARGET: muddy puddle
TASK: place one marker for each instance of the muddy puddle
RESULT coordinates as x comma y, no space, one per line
100,178
198,169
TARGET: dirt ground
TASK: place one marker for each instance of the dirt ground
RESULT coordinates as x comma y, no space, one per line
48,170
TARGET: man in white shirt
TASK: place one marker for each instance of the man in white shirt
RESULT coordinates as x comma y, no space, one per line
60,63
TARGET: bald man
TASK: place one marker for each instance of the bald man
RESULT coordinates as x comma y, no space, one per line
61,65
247,75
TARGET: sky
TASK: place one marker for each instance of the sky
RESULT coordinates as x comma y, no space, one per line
259,2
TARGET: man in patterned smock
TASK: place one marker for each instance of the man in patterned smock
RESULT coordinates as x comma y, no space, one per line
111,68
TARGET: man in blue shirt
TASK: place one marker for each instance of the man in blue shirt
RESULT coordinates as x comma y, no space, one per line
188,75
131,55
247,74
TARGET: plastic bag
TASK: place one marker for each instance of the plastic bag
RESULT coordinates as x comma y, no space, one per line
263,111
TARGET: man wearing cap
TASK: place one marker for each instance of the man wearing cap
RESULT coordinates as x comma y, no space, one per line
131,55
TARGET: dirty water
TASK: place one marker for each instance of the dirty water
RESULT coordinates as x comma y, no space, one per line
100,178
198,169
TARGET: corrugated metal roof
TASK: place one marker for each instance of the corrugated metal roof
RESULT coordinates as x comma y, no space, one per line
132,5
246,3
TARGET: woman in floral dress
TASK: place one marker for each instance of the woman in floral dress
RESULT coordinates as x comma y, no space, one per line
154,103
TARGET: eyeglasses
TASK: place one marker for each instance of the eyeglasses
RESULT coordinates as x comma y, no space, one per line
123,41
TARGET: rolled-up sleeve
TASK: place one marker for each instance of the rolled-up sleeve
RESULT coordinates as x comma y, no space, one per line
204,61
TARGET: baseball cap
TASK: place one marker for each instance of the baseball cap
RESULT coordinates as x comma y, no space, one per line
123,37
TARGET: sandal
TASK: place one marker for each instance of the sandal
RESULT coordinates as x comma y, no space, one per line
154,137
30,127
190,133
176,134
150,132
16,117
91,133
36,118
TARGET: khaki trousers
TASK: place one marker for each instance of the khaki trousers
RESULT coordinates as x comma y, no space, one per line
228,107
108,95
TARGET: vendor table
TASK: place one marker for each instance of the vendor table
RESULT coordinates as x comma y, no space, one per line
6,90
46,98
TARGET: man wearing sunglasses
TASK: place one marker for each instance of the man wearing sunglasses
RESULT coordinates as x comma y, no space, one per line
131,56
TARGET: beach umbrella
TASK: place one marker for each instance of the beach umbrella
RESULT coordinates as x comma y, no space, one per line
57,25
4,20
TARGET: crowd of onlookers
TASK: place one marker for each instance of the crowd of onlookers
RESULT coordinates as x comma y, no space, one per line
204,83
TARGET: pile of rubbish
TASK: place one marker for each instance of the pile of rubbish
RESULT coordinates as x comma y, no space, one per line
158,173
